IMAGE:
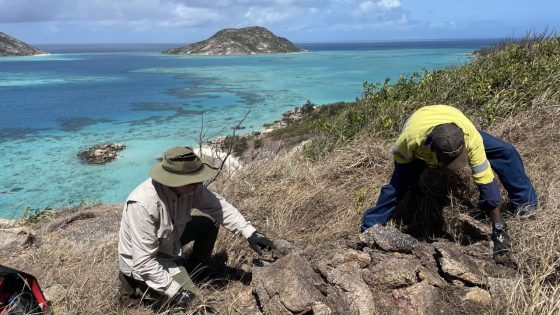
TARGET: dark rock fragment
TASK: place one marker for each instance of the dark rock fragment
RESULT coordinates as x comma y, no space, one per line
389,238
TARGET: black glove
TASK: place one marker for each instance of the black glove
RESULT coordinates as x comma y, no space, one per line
502,242
258,242
182,299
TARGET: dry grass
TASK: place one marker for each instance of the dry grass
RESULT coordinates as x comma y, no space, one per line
536,134
306,202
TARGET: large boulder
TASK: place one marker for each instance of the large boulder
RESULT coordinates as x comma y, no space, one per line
394,272
456,265
344,271
288,286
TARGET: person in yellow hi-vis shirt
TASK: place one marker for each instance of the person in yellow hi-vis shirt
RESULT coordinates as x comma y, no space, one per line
442,136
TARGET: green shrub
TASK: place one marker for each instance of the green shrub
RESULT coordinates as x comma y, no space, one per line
258,143
497,83
33,216
237,144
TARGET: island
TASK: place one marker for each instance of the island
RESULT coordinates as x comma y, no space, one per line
244,41
10,46
102,153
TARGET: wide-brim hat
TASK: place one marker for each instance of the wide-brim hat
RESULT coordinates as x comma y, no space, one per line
179,167
448,141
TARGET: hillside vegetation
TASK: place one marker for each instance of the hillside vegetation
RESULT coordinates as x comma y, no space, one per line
497,83
315,197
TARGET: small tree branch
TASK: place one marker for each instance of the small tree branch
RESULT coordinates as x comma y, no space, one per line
229,149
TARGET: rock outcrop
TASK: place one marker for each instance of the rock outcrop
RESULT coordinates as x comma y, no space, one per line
10,46
404,277
244,41
101,153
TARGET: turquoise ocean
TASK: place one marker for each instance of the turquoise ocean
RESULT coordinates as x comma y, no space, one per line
54,106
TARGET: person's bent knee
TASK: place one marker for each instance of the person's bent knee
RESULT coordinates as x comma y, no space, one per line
509,149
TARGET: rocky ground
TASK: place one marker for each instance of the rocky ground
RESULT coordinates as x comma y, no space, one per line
384,275
385,272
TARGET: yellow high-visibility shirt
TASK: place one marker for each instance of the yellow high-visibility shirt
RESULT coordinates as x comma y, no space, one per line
412,144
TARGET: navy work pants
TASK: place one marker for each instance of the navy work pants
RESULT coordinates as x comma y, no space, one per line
504,160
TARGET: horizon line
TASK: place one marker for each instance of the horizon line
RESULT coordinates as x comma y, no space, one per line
299,42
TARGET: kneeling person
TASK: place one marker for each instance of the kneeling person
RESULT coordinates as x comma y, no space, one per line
157,222
442,136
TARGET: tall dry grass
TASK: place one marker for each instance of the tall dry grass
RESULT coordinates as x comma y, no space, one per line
536,249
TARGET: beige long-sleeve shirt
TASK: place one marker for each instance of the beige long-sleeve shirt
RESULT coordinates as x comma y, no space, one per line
153,220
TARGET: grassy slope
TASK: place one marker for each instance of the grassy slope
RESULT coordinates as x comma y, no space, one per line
318,196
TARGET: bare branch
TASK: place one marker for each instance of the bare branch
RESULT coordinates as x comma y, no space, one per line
201,134
229,149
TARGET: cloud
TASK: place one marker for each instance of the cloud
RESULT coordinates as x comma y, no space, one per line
263,16
380,6
195,16
206,16
389,4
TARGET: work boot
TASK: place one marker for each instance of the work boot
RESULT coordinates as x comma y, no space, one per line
502,243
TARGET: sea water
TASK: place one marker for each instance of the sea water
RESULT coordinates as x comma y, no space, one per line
54,106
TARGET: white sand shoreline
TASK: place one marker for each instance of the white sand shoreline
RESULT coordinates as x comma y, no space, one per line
231,163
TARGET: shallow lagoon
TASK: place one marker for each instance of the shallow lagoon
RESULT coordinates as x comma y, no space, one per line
54,106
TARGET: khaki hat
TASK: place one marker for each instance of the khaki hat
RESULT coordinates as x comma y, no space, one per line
448,141
180,167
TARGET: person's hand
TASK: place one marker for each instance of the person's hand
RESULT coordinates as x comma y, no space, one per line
182,299
259,241
502,242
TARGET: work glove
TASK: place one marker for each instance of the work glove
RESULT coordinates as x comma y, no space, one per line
502,242
182,299
258,242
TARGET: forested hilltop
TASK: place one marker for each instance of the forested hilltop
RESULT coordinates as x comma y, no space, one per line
314,198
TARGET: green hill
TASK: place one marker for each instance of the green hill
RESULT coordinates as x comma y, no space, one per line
243,41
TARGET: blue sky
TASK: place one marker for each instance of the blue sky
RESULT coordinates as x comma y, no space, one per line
185,21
